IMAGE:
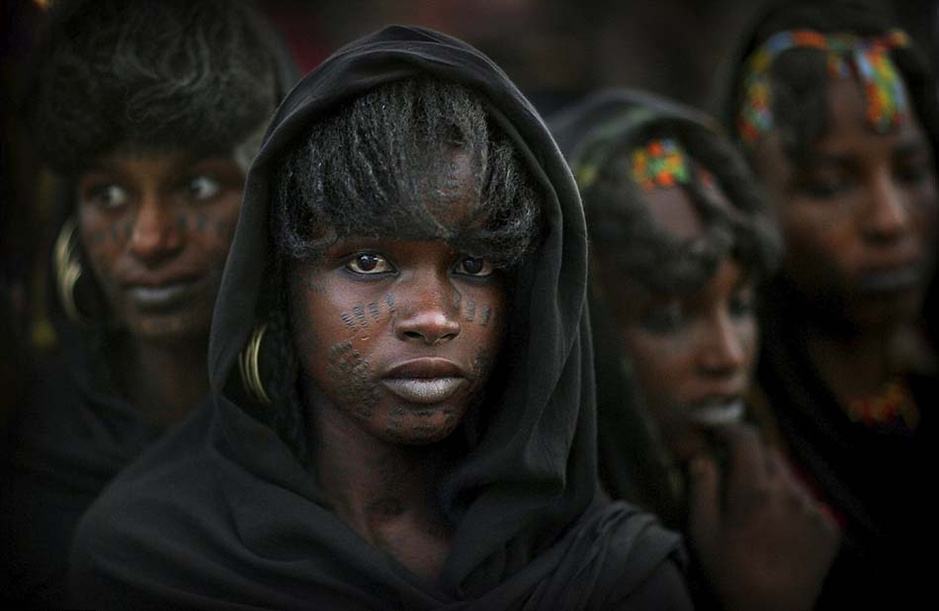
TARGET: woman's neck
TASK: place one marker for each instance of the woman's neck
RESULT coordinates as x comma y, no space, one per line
384,491
853,367
163,381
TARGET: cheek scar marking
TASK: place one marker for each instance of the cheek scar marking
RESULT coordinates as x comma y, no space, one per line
470,313
373,310
347,320
485,316
390,301
359,312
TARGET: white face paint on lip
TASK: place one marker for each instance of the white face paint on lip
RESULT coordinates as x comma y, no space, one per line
161,297
424,390
717,414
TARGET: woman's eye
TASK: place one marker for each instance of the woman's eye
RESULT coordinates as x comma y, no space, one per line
474,266
108,196
203,188
663,319
369,263
911,173
742,304
825,187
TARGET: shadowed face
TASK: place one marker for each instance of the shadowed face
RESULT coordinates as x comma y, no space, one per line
398,336
692,353
858,215
156,229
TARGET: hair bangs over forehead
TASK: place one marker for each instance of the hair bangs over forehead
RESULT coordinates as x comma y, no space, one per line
734,221
417,159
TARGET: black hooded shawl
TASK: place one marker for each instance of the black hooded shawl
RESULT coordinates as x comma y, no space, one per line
222,514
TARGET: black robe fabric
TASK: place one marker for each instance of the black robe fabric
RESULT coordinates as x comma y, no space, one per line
70,439
221,514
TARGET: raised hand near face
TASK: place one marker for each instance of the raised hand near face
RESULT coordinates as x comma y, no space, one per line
762,540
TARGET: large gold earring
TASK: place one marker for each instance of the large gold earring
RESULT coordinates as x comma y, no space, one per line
248,364
68,270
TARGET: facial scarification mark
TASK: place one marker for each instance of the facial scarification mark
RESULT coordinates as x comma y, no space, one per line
359,312
200,222
348,320
485,316
356,389
390,302
469,311
374,311
457,299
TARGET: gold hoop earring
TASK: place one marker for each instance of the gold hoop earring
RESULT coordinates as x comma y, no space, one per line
248,365
68,270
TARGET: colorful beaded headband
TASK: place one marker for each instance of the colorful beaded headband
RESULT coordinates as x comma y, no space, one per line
660,163
887,104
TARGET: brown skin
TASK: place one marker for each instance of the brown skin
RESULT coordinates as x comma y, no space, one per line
761,539
159,222
863,206
360,313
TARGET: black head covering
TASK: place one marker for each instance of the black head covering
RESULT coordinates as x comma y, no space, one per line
223,512
634,464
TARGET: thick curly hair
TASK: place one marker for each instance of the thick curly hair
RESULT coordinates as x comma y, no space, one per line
367,169
798,78
140,75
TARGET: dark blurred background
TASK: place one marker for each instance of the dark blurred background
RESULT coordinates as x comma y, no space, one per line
555,50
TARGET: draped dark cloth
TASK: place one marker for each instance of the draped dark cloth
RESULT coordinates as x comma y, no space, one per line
875,481
74,435
222,514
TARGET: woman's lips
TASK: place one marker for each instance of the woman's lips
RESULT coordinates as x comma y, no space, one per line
163,296
890,280
717,414
425,380
424,390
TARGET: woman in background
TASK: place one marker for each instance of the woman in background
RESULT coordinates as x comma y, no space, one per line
836,111
681,241
149,114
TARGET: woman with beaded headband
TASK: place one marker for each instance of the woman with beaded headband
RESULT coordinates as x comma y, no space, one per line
681,238
412,245
148,114
836,112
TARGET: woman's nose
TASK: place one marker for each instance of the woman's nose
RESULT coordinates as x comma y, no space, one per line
155,233
428,311
723,353
887,216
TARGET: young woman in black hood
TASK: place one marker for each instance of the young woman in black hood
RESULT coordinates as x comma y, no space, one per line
681,239
836,111
403,406
149,114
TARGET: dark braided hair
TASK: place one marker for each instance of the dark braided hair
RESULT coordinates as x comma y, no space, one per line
379,166
368,169
628,237
141,75
799,77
